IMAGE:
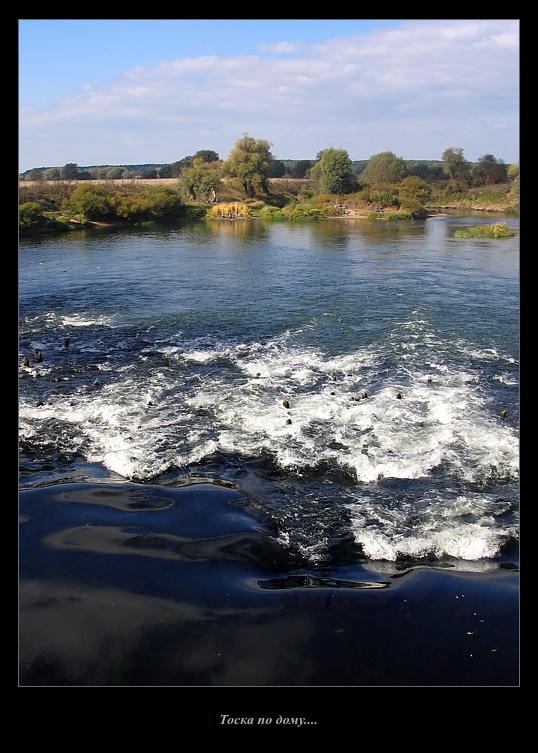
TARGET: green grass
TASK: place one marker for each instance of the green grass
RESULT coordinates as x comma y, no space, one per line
495,230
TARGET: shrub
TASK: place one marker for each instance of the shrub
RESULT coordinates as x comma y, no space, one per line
90,201
495,230
271,213
30,215
303,212
229,210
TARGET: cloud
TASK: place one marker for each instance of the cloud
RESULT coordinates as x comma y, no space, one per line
415,90
279,48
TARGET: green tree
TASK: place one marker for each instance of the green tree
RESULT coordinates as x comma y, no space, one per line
248,164
197,181
30,215
301,168
165,171
114,173
69,171
35,174
176,168
456,166
413,195
414,189
163,203
90,201
489,170
52,173
428,171
276,169
384,167
335,175
207,155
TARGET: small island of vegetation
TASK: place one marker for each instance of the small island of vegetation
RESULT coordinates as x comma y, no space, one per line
495,230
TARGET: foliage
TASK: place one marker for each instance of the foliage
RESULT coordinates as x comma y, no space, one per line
30,215
248,164
50,196
495,230
33,219
391,216
230,210
427,170
301,168
514,189
73,172
384,167
128,205
198,181
52,173
117,194
306,192
176,168
303,212
456,166
90,202
271,213
206,155
489,170
383,195
276,169
414,188
335,175
35,174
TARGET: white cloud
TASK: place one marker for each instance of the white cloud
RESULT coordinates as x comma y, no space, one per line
414,90
279,48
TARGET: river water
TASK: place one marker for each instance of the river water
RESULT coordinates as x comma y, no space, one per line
335,403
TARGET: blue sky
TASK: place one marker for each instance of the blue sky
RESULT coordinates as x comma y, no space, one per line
137,91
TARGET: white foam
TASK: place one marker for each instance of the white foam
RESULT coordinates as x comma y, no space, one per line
443,422
463,528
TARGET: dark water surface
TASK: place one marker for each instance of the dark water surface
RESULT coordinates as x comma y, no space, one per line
219,485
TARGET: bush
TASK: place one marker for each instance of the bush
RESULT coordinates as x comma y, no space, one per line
271,213
229,210
30,215
303,212
90,202
495,230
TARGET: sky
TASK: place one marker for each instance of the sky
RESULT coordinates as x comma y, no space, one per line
153,91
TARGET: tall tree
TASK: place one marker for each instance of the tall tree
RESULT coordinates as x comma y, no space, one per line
52,173
177,167
197,181
69,171
301,168
335,174
207,155
456,166
489,170
276,169
384,168
248,164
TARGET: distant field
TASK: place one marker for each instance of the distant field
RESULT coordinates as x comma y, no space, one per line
151,181
154,181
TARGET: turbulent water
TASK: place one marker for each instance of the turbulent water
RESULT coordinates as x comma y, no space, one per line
357,383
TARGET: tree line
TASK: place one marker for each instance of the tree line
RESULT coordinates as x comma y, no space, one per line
385,180
251,155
